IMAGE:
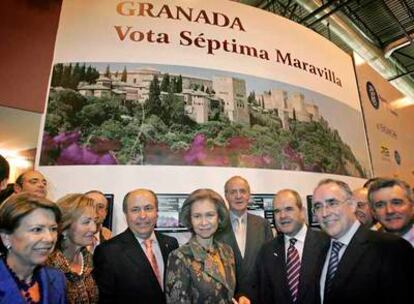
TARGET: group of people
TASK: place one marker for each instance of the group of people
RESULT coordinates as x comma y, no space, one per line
60,252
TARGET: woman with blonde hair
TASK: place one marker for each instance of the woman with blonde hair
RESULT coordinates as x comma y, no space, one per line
71,256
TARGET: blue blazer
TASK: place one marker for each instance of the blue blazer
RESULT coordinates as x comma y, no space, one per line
53,286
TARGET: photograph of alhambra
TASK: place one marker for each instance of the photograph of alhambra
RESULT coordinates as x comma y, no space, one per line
140,114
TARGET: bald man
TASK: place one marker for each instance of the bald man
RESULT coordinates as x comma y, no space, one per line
130,266
363,211
33,182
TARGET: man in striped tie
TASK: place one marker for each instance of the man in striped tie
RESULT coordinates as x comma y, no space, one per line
362,266
287,268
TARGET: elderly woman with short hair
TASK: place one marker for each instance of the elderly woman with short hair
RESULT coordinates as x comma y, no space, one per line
203,270
71,256
28,232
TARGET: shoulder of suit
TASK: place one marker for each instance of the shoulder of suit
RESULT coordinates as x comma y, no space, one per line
116,240
167,239
106,233
257,219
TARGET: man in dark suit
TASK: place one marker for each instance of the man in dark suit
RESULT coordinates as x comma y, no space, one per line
361,266
130,267
288,267
392,202
247,232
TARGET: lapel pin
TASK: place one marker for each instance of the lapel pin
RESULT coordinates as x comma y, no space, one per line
275,254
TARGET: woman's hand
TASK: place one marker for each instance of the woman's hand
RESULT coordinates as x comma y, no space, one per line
242,300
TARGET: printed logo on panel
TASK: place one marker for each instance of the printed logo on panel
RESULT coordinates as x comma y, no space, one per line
372,95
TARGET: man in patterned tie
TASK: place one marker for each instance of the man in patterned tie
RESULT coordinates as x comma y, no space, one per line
361,266
130,267
287,268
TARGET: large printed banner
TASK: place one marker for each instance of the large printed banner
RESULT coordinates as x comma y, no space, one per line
178,95
391,150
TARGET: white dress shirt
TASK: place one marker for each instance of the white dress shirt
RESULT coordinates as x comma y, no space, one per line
300,243
345,240
239,225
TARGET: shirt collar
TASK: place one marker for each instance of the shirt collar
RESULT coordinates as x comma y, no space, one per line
300,236
347,237
234,217
152,237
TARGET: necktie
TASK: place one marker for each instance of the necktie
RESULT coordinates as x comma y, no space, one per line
240,235
151,257
332,265
293,269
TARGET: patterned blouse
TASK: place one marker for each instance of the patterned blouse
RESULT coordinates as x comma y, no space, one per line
195,275
81,288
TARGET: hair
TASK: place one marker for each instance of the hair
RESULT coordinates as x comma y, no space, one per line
18,206
370,181
381,183
205,194
226,185
344,186
19,180
95,191
126,197
72,205
4,168
294,193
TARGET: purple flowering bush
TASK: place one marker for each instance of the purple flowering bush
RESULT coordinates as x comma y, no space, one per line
65,149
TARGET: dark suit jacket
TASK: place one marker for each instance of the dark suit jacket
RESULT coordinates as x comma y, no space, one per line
375,268
258,232
52,281
270,281
123,273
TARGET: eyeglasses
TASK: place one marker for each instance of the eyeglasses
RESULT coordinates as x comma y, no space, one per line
332,204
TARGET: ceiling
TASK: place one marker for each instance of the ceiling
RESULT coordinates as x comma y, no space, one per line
386,27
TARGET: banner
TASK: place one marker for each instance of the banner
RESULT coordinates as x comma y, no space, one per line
179,95
390,148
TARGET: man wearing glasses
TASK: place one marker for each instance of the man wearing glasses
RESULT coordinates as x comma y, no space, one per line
393,205
130,267
361,266
247,232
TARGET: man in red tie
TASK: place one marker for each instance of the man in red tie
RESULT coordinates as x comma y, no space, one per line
287,267
130,267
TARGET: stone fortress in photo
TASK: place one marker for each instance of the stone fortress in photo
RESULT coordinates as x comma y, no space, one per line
202,96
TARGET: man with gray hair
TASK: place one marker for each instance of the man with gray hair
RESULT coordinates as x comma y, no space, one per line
393,205
247,232
361,266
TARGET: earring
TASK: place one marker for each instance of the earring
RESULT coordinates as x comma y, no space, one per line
8,247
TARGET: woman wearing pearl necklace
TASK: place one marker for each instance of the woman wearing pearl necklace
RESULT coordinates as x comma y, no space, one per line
71,255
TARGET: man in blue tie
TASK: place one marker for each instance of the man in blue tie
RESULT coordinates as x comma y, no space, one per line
361,266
